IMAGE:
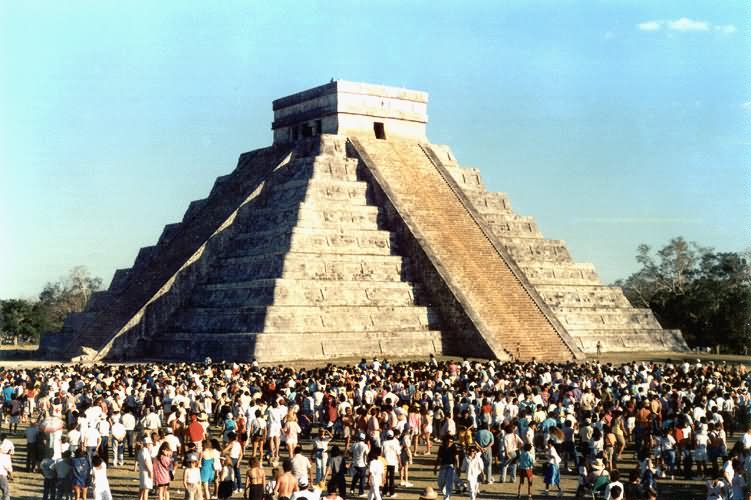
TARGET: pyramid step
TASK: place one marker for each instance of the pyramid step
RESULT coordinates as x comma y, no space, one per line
318,266
606,318
534,249
302,239
307,214
327,167
305,319
287,292
469,179
319,191
285,346
583,296
489,201
515,229
560,273
629,340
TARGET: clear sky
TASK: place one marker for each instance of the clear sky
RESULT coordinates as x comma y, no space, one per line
613,123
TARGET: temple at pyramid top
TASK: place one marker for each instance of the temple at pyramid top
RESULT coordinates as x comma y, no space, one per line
351,108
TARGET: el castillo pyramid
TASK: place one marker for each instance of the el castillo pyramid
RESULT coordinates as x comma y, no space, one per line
352,235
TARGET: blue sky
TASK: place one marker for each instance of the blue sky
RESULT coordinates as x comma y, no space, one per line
612,123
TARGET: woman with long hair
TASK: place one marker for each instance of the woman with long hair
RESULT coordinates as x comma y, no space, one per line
208,473
291,431
226,478
162,471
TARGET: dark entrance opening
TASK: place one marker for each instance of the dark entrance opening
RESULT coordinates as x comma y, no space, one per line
307,130
380,131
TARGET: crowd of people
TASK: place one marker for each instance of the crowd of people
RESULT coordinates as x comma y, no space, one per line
346,431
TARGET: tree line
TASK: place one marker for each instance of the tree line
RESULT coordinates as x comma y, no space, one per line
704,293
23,320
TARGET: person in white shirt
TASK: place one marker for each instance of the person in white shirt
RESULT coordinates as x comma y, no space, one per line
360,451
103,426
392,451
91,441
375,474
129,422
614,482
6,473
474,467
101,483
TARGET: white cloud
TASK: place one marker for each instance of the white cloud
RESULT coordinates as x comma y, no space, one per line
686,24
727,29
746,105
650,25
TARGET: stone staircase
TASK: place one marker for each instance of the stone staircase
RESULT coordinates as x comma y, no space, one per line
508,315
589,310
310,273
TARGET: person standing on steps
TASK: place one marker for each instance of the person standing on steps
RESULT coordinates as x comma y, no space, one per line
448,461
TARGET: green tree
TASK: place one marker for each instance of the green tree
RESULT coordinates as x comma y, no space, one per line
69,294
705,294
20,319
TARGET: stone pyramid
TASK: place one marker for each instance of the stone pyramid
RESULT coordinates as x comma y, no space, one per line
353,236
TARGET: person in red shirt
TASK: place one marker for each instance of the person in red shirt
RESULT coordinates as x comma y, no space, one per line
196,432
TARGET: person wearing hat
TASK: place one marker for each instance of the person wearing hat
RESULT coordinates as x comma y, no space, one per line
428,494
192,478
392,455
359,450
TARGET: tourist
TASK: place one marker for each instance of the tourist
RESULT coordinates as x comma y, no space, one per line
64,476
192,479
145,466
286,483
234,451
552,468
226,478
255,480
376,473
6,474
320,451
162,471
336,471
291,432
526,469
473,466
405,459
612,485
359,452
447,459
209,457
99,479
391,455
50,479
81,474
